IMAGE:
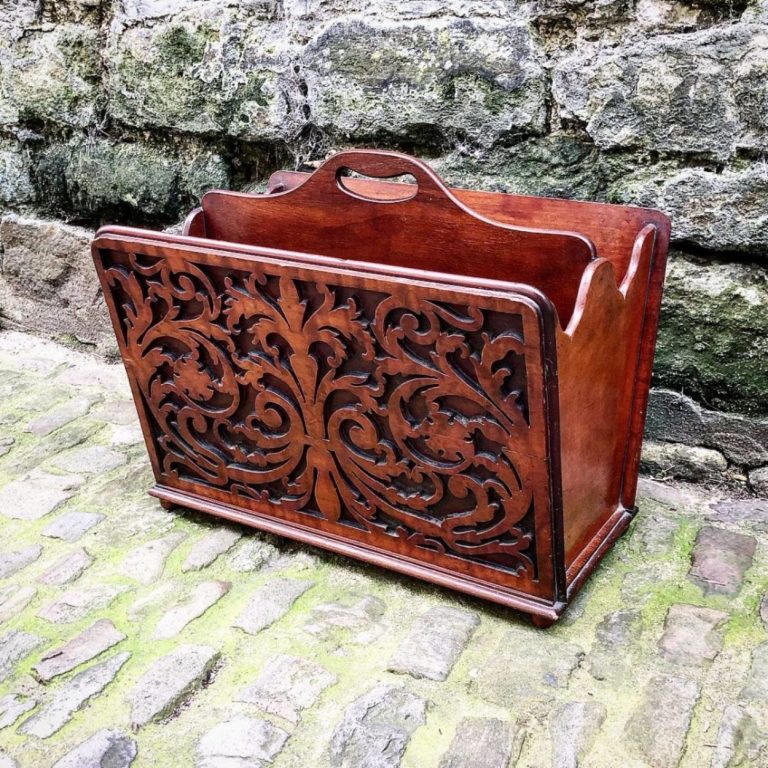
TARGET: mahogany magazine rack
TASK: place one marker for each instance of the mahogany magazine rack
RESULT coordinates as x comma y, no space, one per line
446,383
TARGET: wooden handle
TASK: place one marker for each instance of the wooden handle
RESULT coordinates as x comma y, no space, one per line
380,164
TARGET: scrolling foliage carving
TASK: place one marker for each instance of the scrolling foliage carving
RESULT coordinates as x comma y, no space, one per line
364,402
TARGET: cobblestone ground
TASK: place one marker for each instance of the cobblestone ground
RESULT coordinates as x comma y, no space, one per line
131,635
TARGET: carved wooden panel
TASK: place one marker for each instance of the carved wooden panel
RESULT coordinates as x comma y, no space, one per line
410,417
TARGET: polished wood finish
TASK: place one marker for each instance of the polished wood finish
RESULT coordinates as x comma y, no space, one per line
431,229
450,384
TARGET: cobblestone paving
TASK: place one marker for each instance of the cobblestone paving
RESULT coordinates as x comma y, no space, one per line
134,636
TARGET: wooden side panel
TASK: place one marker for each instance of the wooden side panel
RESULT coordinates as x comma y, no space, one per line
399,421
427,228
644,374
600,379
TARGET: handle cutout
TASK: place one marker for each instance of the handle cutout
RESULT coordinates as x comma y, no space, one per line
353,183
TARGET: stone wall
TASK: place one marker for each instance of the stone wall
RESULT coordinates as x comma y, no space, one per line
126,111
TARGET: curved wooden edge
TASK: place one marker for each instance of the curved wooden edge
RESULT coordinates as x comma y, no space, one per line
281,181
642,255
600,277
581,568
379,164
194,224
400,164
549,612
108,235
605,363
654,292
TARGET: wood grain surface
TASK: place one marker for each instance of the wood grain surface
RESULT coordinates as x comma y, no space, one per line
451,384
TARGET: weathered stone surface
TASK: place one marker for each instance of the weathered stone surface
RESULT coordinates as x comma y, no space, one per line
146,562
205,595
482,743
655,94
71,526
213,543
168,681
434,643
574,727
16,185
618,628
12,562
252,554
748,510
756,12
6,443
242,742
713,341
360,621
716,211
432,81
46,265
287,686
204,71
739,742
657,729
654,534
6,761
73,695
395,11
376,728
90,459
67,568
671,496
32,355
15,601
555,165
59,416
105,749
637,589
720,559
12,707
683,462
52,75
758,481
756,687
129,435
44,451
36,494
158,596
91,642
77,602
269,603
119,412
14,646
88,372
614,634
547,666
613,21
764,610
692,634
144,178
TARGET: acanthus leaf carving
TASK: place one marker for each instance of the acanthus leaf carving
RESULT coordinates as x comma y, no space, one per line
398,414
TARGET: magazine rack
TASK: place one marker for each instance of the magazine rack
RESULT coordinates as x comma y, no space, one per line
446,383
